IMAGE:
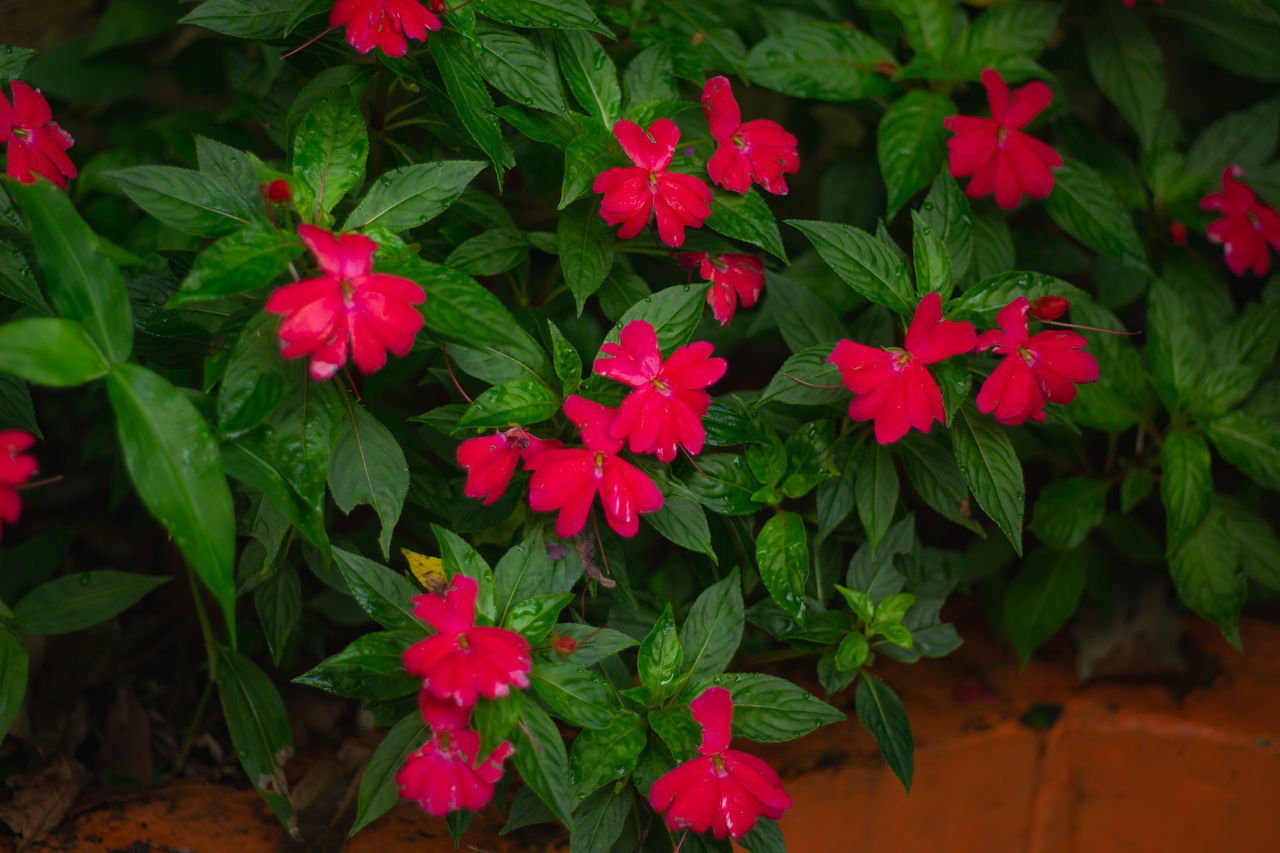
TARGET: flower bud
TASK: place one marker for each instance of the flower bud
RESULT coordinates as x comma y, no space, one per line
1048,307
278,192
563,644
1178,232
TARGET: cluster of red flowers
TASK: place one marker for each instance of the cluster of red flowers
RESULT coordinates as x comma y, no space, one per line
894,388
16,467
385,24
458,664
723,790
664,410
36,145
733,277
1247,225
759,151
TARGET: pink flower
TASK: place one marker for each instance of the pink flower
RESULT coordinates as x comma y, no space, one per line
723,789
347,307
1038,368
996,152
732,277
568,480
892,385
1246,227
383,23
443,774
758,150
632,194
490,460
16,468
667,406
462,660
37,146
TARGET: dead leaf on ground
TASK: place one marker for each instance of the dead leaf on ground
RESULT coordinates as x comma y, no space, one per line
42,799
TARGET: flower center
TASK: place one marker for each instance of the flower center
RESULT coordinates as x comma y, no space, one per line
1001,135
348,297
599,464
1028,356
902,359
21,133
463,645
661,387
739,143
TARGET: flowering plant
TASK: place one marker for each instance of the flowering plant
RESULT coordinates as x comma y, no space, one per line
664,340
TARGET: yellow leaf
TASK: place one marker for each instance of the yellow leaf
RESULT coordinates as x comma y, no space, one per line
428,570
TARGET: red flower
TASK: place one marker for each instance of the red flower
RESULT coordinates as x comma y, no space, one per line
444,774
723,789
1178,232
759,150
490,460
1246,227
667,406
16,468
383,23
462,660
348,306
563,644
732,277
1038,368
567,480
37,146
631,194
996,152
893,386
278,192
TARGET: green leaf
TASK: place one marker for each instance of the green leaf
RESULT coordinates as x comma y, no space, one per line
542,762
1125,62
859,602
1237,36
82,283
934,475
370,668
535,617
872,268
51,352
745,217
792,383
246,261
591,75
585,244
674,313
456,60
600,819
601,756
575,695
782,555
523,572
378,790
876,492
368,467
932,262
519,69
1250,443
16,279
128,22
460,558
1259,547
1243,138
588,152
72,602
12,61
16,410
880,711
380,592
297,440
249,19
413,195
188,201
279,604
1085,205
518,402
927,22
566,359
493,252
175,465
594,644
661,659
725,484
803,318
991,469
684,523
1186,486
713,629
824,61
911,143
768,709
13,677
551,14
1240,354
259,727
981,303
1206,571
255,381
1043,596
330,148
1068,510
947,212
1014,28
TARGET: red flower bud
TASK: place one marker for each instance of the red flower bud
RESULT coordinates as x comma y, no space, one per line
1178,232
563,644
1049,307
278,192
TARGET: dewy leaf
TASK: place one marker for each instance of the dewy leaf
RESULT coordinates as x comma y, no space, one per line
880,711
330,148
574,694
16,279
51,352
803,318
782,556
249,19
455,57
1085,205
1251,443
661,660
259,727
745,217
13,677
768,709
981,303
542,762
601,756
946,210
1126,64
189,201
1068,510
370,668
932,261
591,75
869,266
77,601
683,522
1175,348
550,14
1043,596
911,143
585,242
176,467
255,381
927,22
674,313
378,790
713,629
520,69
492,252
876,492
368,467
600,819
1206,571
12,61
413,195
383,594
83,284
246,261
520,402
1186,486
824,61
991,468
